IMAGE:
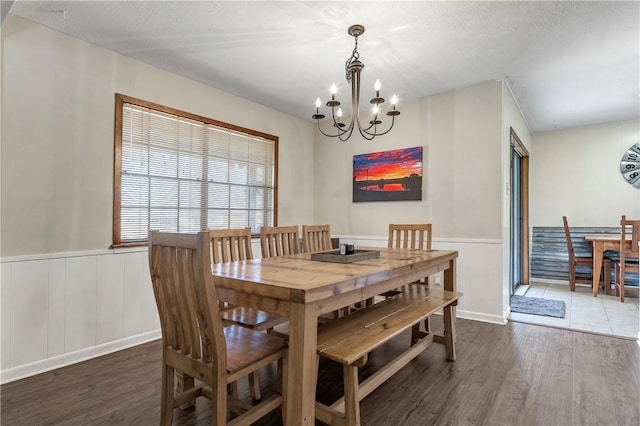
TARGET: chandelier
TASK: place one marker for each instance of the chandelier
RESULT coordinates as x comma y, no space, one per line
353,67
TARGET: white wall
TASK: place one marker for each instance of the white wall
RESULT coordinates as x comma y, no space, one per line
576,173
58,137
462,170
461,133
65,295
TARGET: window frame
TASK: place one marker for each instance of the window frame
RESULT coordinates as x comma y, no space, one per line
120,101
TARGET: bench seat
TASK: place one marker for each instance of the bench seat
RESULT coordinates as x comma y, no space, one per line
350,338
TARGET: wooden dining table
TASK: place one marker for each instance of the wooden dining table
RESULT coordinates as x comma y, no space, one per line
303,289
601,243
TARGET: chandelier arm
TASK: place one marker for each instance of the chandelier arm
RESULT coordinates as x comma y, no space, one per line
355,100
383,133
368,136
347,137
326,134
341,132
370,126
336,124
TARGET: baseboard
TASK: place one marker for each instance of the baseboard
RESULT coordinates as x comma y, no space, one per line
478,316
549,281
48,364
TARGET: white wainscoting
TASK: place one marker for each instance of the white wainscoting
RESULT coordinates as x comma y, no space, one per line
62,308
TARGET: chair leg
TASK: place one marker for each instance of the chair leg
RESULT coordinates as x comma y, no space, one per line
351,396
621,284
219,405
185,382
607,277
166,403
572,277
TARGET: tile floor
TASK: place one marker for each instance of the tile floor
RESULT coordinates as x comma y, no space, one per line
602,315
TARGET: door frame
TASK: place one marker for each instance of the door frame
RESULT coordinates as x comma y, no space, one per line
521,150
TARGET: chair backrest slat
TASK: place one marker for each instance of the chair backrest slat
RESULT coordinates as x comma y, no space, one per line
185,294
316,238
230,245
413,236
279,240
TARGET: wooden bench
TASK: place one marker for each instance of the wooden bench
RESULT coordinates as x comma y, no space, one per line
349,339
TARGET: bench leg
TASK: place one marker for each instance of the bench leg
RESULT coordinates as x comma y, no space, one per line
449,332
351,396
254,385
232,389
415,334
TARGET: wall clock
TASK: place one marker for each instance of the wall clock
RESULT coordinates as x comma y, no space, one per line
630,165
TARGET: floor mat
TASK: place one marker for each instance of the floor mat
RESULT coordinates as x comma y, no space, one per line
537,306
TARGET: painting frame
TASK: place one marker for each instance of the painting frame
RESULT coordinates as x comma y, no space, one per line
392,175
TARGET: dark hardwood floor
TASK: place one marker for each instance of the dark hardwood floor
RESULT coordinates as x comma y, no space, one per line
518,374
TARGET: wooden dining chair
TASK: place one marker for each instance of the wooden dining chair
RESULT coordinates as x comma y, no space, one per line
279,240
415,236
316,238
630,231
410,236
231,245
194,340
583,261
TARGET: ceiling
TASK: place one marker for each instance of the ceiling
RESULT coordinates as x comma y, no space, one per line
568,64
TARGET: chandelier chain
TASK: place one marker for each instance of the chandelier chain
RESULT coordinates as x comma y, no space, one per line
355,55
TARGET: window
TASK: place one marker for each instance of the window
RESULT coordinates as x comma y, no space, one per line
178,172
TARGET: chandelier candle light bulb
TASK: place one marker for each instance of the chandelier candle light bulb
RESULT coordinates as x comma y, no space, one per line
353,68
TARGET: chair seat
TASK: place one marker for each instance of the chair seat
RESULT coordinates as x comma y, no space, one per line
252,318
245,347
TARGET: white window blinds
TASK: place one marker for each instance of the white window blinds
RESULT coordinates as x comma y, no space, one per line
179,174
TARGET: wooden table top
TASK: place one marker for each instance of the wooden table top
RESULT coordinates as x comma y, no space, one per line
297,278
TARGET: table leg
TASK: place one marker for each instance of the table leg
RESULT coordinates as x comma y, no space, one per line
598,250
449,312
449,332
302,372
450,275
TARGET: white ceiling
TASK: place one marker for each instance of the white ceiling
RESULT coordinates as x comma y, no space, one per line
568,63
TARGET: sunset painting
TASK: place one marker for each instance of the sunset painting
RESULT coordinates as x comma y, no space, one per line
388,175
